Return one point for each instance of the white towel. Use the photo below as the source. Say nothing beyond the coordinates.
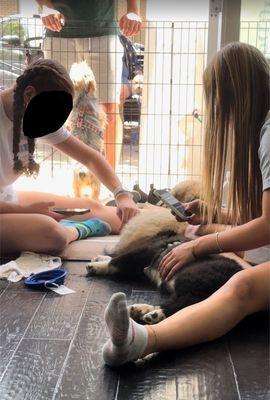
(28, 263)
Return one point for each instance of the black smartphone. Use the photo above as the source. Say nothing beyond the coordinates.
(172, 202)
(71, 211)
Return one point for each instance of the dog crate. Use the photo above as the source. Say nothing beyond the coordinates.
(162, 137)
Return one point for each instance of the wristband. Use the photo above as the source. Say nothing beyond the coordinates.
(196, 257)
(193, 253)
(117, 192)
(217, 243)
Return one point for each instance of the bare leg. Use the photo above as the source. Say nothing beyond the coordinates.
(33, 232)
(107, 214)
(114, 134)
(245, 293)
(124, 94)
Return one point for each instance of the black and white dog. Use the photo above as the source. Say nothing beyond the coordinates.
(143, 243)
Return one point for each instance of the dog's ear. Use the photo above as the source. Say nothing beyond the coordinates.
(91, 87)
(82, 175)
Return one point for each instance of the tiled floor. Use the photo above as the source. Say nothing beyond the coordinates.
(50, 348)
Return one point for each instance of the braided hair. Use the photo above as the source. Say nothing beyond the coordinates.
(43, 75)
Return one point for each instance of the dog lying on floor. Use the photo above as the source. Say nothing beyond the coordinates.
(87, 121)
(143, 243)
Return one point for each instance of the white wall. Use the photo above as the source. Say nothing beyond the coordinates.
(28, 7)
(255, 23)
(258, 10)
(177, 10)
(184, 10)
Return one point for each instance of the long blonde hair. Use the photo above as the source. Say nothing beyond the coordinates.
(237, 96)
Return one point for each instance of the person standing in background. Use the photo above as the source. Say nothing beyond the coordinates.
(88, 30)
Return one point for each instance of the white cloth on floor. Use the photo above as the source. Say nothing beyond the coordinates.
(28, 263)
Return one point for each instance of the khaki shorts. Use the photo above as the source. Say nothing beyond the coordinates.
(103, 54)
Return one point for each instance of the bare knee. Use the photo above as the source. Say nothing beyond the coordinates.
(56, 238)
(97, 208)
(240, 287)
(96, 205)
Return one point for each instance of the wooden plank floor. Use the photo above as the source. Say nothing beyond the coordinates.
(50, 348)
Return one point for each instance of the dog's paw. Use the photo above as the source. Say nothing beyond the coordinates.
(137, 311)
(101, 258)
(91, 269)
(153, 317)
(101, 266)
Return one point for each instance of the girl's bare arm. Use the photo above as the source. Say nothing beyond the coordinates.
(92, 159)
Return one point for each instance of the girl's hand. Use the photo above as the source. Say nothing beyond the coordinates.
(195, 208)
(54, 22)
(126, 208)
(130, 24)
(175, 259)
(43, 208)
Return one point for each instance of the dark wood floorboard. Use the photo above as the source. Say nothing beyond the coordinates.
(50, 348)
(34, 370)
(3, 286)
(17, 308)
(202, 372)
(85, 375)
(58, 316)
(249, 349)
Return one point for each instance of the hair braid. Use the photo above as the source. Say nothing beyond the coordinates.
(18, 111)
(43, 75)
(33, 167)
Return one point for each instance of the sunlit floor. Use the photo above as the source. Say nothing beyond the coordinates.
(57, 177)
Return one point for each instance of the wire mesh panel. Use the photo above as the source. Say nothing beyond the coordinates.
(161, 95)
(18, 37)
(170, 136)
(256, 33)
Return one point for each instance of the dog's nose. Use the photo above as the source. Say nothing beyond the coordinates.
(82, 175)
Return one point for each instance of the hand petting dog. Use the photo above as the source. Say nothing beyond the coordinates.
(126, 208)
(176, 259)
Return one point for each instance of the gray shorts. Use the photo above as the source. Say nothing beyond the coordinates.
(103, 54)
(8, 194)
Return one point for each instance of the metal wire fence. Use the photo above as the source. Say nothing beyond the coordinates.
(161, 138)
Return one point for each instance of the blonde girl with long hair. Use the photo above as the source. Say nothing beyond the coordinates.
(237, 138)
(26, 221)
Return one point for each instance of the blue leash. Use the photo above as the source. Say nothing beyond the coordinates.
(46, 279)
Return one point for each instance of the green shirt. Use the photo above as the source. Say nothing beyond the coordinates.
(86, 18)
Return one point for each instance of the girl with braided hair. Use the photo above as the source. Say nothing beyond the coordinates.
(26, 221)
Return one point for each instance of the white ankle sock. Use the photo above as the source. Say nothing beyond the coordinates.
(128, 339)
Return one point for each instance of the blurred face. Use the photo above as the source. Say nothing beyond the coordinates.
(45, 112)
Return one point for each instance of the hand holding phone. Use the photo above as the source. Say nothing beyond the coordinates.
(71, 211)
(177, 208)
